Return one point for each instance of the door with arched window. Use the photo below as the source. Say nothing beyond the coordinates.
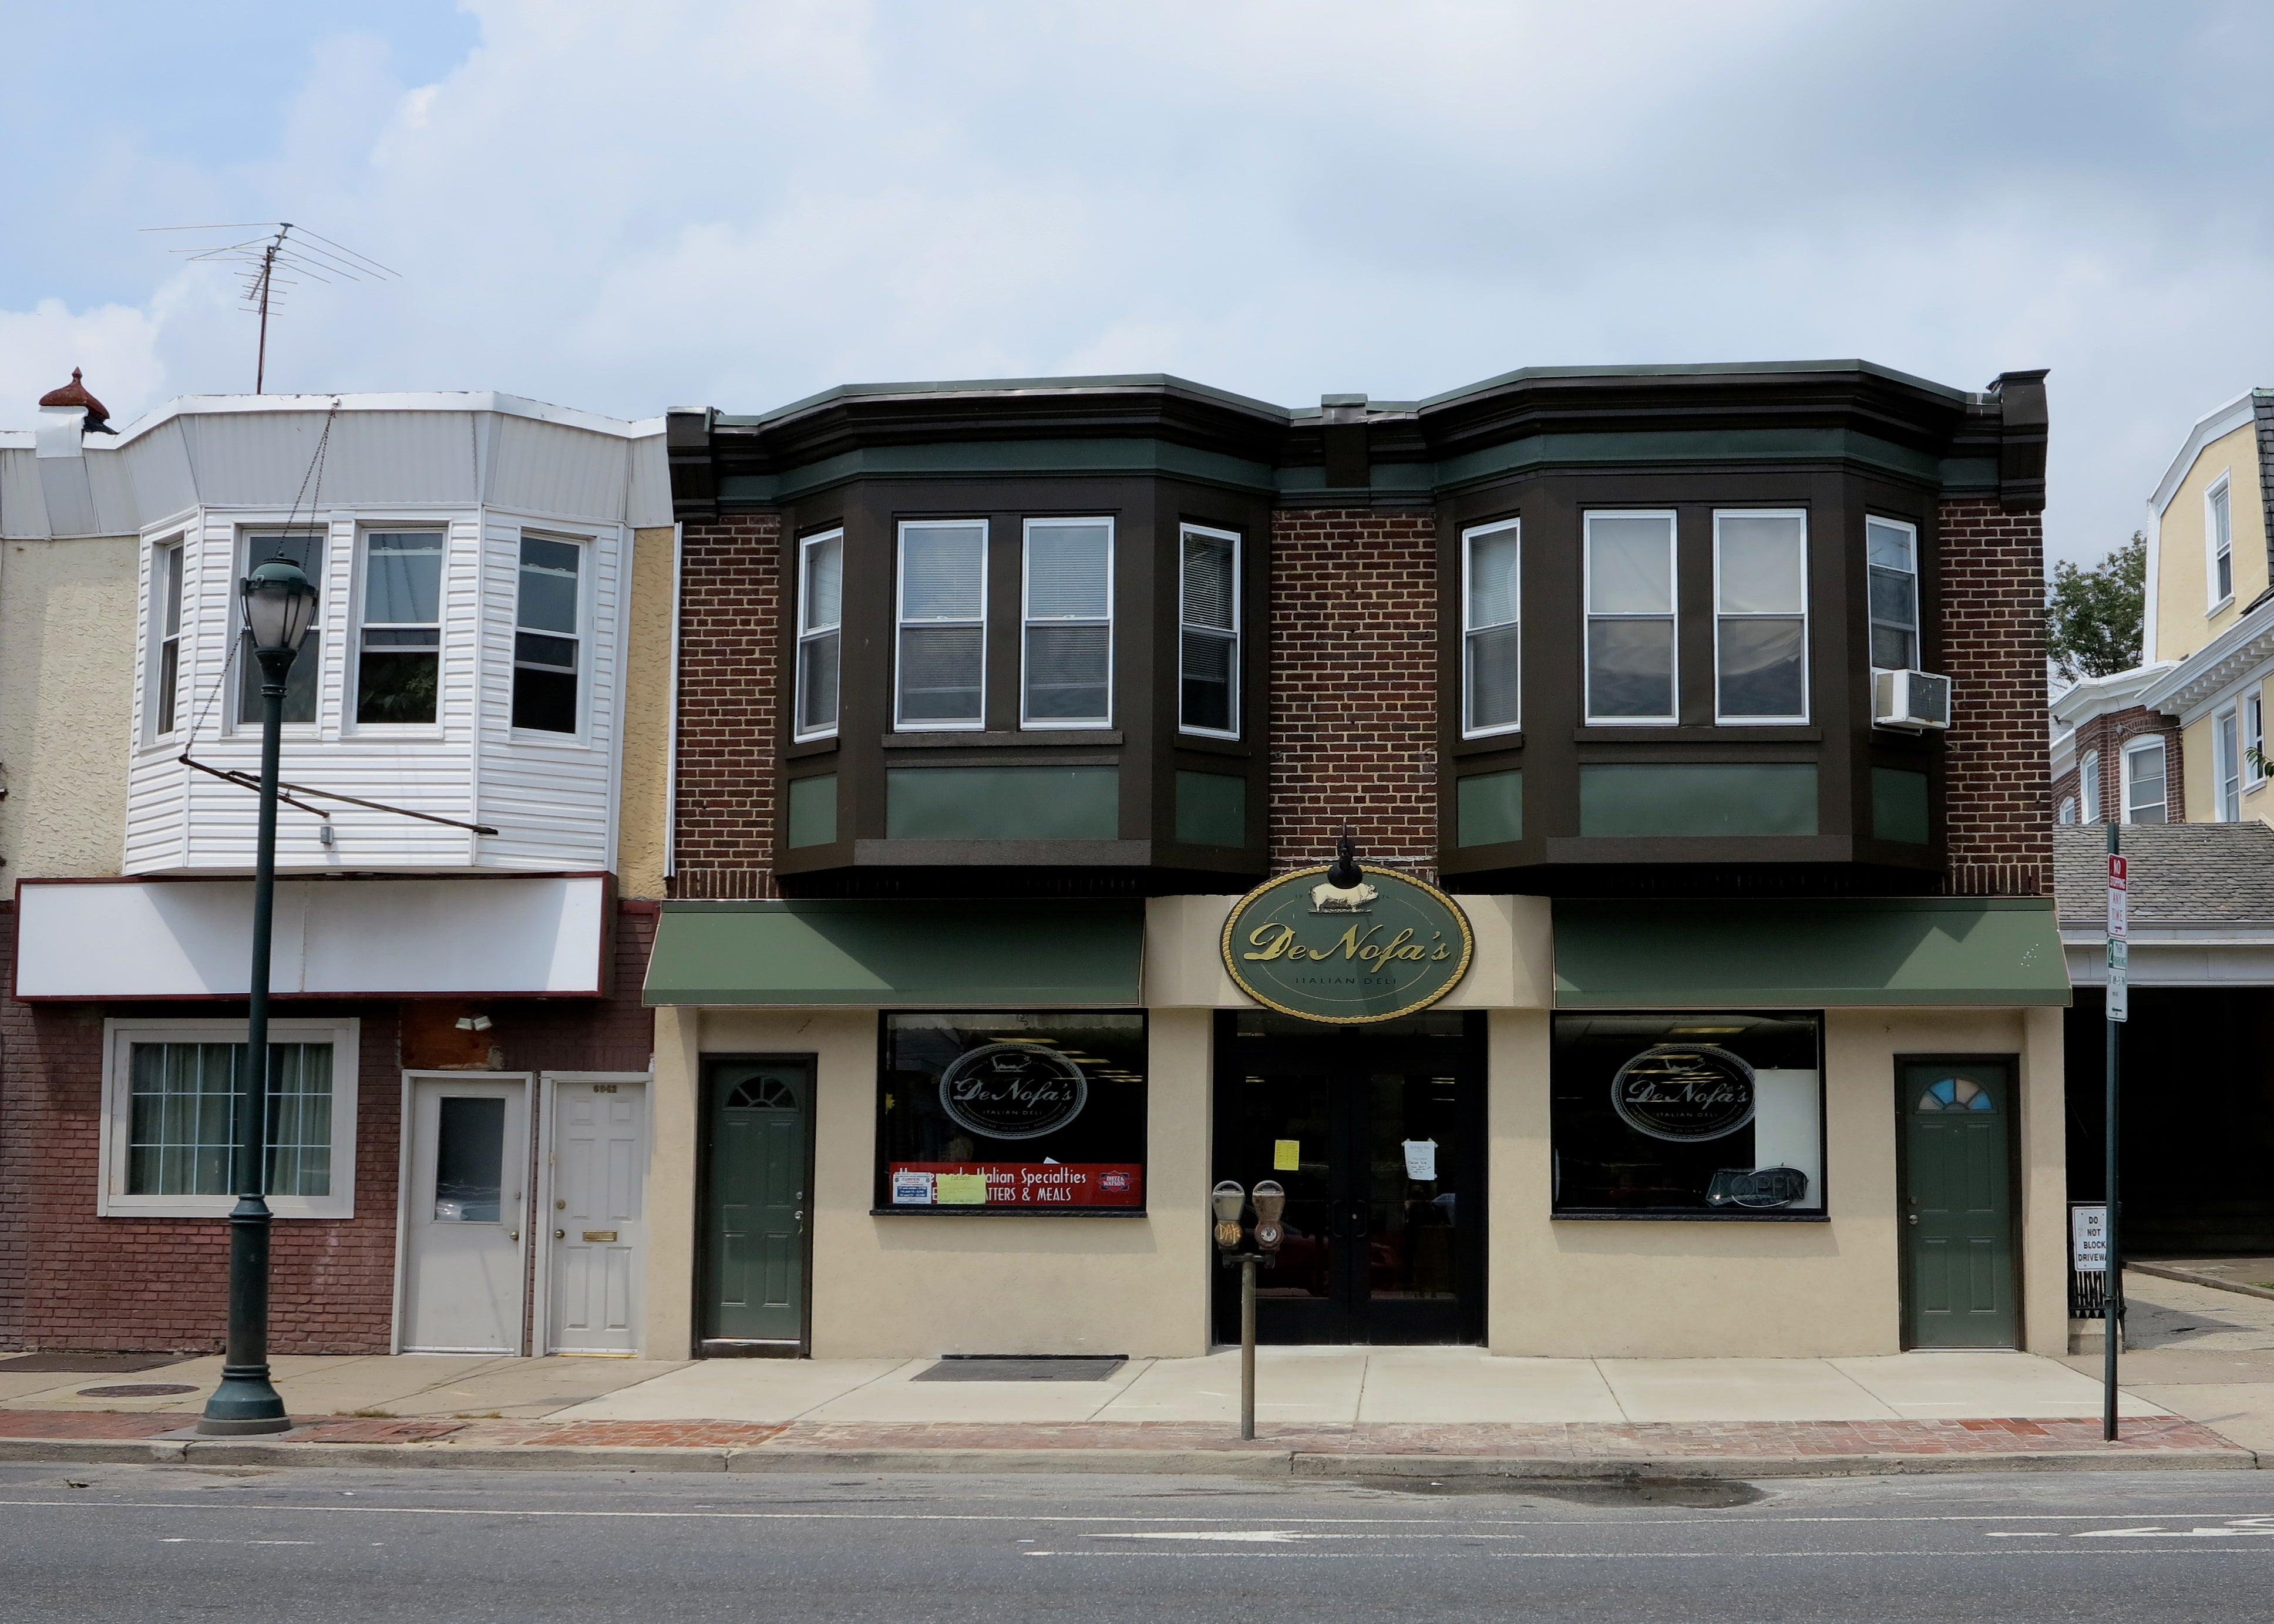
(1959, 1280)
(756, 1171)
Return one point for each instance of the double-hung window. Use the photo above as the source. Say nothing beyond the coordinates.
(1492, 644)
(1760, 616)
(399, 673)
(941, 668)
(1891, 552)
(1207, 632)
(166, 628)
(2226, 763)
(304, 548)
(2254, 740)
(548, 635)
(1631, 626)
(820, 631)
(1066, 656)
(2144, 793)
(2068, 810)
(2218, 533)
(172, 1090)
(2088, 787)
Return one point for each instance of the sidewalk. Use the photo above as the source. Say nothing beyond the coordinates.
(1320, 1411)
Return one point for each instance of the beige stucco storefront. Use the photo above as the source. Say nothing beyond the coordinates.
(929, 1283)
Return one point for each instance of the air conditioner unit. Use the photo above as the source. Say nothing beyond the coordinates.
(1917, 700)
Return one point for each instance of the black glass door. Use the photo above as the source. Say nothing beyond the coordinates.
(1378, 1136)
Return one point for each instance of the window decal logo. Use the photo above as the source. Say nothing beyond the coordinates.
(1686, 1092)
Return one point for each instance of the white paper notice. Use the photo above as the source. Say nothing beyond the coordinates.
(1420, 1158)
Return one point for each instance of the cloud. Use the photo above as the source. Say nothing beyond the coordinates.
(632, 206)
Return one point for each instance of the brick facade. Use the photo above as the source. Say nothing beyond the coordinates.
(1994, 650)
(71, 1280)
(731, 601)
(1353, 677)
(2106, 736)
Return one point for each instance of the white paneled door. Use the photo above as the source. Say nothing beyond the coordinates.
(465, 1215)
(599, 1213)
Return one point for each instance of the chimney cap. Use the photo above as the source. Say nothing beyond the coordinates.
(74, 393)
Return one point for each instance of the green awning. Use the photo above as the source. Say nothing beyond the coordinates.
(1912, 950)
(975, 954)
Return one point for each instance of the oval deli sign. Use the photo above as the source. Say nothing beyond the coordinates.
(1385, 947)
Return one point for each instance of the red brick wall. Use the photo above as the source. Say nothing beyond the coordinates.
(71, 1280)
(1994, 650)
(1354, 650)
(2108, 734)
(730, 609)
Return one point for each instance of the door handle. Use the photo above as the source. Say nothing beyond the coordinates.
(1914, 1217)
(514, 1236)
(560, 1235)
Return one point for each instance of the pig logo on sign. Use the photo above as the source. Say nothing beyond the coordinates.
(1342, 899)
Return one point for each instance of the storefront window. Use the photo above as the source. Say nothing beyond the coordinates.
(1037, 1113)
(1711, 1115)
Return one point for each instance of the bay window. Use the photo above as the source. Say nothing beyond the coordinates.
(1207, 628)
(548, 639)
(1066, 647)
(1630, 618)
(1891, 552)
(820, 631)
(1760, 616)
(398, 675)
(941, 664)
(1491, 629)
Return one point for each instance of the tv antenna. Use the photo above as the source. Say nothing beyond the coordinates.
(278, 259)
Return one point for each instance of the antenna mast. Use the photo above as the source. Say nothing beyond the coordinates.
(263, 259)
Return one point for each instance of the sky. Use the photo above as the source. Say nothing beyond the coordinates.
(632, 205)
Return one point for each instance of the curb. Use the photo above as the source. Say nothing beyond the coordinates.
(1255, 1463)
(2164, 1271)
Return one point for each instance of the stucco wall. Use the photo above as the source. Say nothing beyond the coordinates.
(2181, 563)
(644, 791)
(1676, 1290)
(67, 623)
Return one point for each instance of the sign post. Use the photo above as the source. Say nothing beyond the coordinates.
(2112, 1296)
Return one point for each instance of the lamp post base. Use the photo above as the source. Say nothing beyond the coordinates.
(244, 1403)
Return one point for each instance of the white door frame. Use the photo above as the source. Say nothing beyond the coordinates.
(541, 1319)
(407, 1135)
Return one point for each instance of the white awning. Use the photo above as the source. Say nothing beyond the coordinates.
(494, 938)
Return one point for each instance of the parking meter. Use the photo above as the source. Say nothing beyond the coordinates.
(1228, 1199)
(1270, 1202)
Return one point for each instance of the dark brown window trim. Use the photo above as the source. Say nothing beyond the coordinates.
(1698, 736)
(1032, 737)
(1491, 744)
(811, 746)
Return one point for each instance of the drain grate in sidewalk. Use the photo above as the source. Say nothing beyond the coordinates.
(1031, 1367)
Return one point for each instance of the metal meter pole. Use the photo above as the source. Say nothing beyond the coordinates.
(1247, 1347)
(2119, 1008)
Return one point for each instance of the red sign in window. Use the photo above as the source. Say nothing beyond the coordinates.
(1042, 1184)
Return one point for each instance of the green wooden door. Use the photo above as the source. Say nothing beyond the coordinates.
(755, 1229)
(1958, 1205)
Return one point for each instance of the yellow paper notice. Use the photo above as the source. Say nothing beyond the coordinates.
(1286, 1157)
(960, 1188)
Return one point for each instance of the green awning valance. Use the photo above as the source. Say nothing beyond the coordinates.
(1913, 951)
(966, 955)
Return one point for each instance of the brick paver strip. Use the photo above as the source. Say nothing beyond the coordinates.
(1547, 1440)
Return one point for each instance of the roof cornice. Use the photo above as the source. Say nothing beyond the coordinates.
(2093, 696)
(2223, 421)
(2199, 679)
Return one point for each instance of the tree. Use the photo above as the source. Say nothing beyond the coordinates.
(2092, 616)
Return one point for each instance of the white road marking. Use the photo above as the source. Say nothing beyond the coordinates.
(184, 1539)
(1623, 1556)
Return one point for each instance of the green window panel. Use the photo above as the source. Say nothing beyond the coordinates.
(1899, 805)
(1003, 803)
(1489, 808)
(813, 811)
(1697, 800)
(1211, 809)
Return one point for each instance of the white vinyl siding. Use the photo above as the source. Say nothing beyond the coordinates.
(820, 632)
(1890, 554)
(940, 653)
(1492, 631)
(1631, 639)
(170, 1105)
(2145, 788)
(2218, 540)
(1760, 616)
(1207, 632)
(1065, 651)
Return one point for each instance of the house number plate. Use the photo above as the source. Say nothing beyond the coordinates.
(599, 1235)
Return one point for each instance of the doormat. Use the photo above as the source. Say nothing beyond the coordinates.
(89, 1364)
(140, 1389)
(1013, 1367)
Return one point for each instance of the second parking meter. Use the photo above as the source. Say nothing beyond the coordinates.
(1271, 1203)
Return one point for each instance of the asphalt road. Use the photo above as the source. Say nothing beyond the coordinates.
(145, 1544)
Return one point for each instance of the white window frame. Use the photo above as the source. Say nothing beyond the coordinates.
(120, 1035)
(900, 623)
(249, 538)
(2226, 765)
(1028, 621)
(808, 631)
(1239, 635)
(2131, 754)
(2218, 547)
(1917, 630)
(581, 636)
(2254, 740)
(1469, 628)
(1588, 617)
(1807, 698)
(2088, 788)
(169, 565)
(351, 635)
(2068, 810)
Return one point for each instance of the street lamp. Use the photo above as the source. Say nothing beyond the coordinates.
(280, 605)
